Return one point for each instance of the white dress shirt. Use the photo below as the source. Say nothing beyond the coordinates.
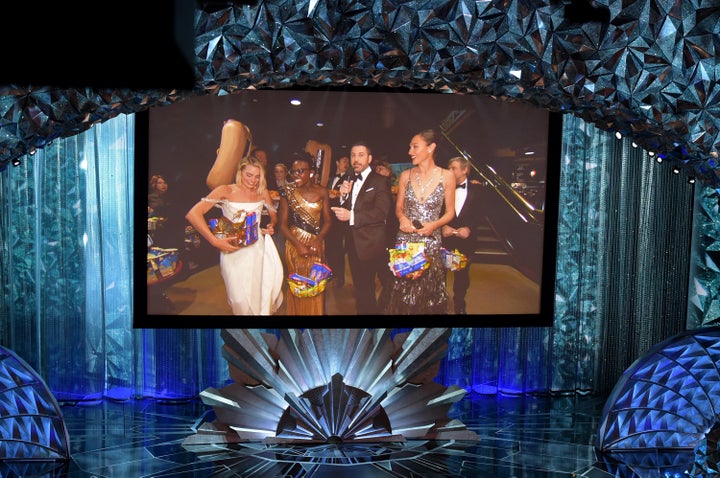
(335, 181)
(357, 185)
(460, 196)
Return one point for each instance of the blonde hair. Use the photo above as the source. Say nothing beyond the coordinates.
(282, 166)
(250, 161)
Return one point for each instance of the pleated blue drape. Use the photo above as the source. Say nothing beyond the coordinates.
(624, 236)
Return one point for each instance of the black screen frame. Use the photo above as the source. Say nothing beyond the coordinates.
(543, 318)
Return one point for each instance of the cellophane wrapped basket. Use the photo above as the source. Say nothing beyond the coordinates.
(408, 260)
(454, 260)
(161, 263)
(301, 286)
(244, 229)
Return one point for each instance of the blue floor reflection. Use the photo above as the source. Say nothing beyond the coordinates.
(528, 437)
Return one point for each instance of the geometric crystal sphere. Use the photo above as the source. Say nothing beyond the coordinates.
(668, 399)
(707, 454)
(332, 386)
(31, 424)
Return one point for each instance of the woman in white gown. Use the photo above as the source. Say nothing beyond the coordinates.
(250, 264)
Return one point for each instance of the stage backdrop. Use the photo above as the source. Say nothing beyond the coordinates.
(624, 268)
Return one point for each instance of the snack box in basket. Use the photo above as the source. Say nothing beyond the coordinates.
(302, 286)
(318, 273)
(245, 230)
(404, 267)
(454, 260)
(407, 258)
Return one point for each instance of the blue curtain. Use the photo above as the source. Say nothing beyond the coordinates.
(624, 235)
(622, 278)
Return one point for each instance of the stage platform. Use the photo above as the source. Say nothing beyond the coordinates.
(529, 437)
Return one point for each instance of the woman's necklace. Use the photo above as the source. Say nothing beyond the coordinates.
(422, 187)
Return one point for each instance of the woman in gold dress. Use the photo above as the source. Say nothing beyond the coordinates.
(304, 222)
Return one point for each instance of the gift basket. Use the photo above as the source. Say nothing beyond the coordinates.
(244, 228)
(302, 286)
(161, 263)
(454, 260)
(408, 260)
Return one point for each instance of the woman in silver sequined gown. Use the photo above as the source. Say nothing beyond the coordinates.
(426, 194)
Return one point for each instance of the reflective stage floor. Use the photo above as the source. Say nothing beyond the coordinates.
(522, 437)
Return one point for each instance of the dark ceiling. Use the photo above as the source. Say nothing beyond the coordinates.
(644, 68)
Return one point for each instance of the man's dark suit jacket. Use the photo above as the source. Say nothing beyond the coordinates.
(335, 239)
(372, 206)
(470, 216)
(336, 201)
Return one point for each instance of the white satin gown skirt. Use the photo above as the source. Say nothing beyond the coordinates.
(253, 278)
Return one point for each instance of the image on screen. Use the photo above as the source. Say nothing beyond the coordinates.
(513, 153)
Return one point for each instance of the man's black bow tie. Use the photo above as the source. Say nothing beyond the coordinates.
(358, 177)
(461, 186)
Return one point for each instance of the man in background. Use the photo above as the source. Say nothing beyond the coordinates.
(279, 179)
(336, 239)
(460, 233)
(275, 184)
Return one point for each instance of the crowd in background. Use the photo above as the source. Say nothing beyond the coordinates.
(363, 211)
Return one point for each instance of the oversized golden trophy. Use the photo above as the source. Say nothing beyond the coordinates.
(235, 144)
(323, 160)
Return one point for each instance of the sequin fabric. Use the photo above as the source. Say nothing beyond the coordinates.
(426, 294)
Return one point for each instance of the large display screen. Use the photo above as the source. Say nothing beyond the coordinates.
(514, 154)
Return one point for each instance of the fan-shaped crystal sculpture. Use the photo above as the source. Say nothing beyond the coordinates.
(332, 386)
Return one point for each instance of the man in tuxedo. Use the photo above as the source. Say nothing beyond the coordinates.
(336, 238)
(365, 203)
(460, 233)
(279, 177)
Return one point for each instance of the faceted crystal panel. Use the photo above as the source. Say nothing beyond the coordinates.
(644, 68)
